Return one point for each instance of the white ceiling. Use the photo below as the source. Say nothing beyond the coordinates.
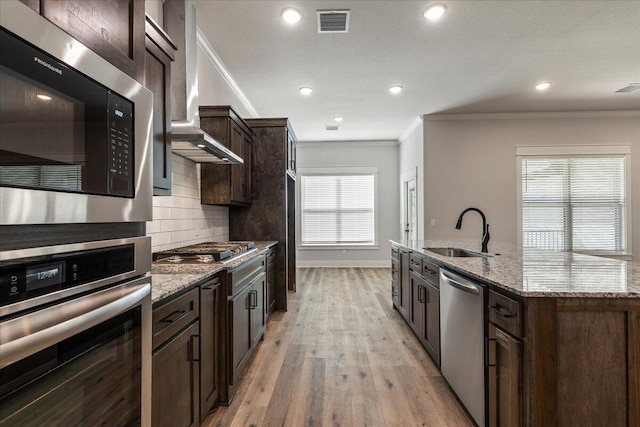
(483, 56)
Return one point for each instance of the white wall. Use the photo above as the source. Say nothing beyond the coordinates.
(471, 161)
(383, 155)
(412, 159)
(180, 219)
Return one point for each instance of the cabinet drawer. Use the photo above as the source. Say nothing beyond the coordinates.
(415, 263)
(172, 317)
(395, 292)
(395, 252)
(431, 272)
(271, 255)
(505, 312)
(245, 273)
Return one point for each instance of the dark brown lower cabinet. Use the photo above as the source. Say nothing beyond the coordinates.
(416, 313)
(176, 369)
(505, 379)
(249, 321)
(431, 337)
(270, 304)
(211, 305)
(404, 298)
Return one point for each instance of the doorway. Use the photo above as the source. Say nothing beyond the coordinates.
(410, 206)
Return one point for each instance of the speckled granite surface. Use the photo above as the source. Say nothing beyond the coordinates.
(168, 279)
(540, 273)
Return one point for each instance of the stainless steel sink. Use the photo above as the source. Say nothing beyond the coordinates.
(456, 252)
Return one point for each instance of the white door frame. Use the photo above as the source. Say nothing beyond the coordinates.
(405, 178)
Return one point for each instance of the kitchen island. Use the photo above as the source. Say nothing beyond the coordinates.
(562, 330)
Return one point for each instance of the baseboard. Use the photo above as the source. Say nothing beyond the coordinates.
(345, 263)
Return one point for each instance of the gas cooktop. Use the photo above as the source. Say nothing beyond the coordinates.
(203, 253)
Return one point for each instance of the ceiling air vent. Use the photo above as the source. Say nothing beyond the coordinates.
(630, 88)
(332, 127)
(333, 21)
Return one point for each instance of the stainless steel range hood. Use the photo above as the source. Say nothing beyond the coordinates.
(187, 138)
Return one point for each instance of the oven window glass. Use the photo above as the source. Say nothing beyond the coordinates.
(90, 379)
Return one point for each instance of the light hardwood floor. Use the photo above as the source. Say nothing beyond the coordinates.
(341, 356)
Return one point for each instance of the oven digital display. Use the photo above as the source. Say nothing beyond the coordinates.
(43, 276)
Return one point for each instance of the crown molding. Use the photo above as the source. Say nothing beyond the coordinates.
(216, 61)
(374, 143)
(408, 131)
(534, 115)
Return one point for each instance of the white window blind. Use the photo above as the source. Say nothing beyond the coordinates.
(574, 203)
(337, 209)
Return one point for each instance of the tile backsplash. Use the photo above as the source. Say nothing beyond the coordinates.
(180, 219)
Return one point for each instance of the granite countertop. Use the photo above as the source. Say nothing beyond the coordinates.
(168, 279)
(539, 273)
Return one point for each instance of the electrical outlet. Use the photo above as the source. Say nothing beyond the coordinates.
(433, 222)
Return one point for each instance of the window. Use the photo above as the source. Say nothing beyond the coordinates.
(338, 209)
(572, 202)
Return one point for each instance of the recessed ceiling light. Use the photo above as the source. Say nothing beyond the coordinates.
(543, 86)
(201, 145)
(291, 15)
(395, 89)
(435, 12)
(306, 90)
(44, 97)
(338, 118)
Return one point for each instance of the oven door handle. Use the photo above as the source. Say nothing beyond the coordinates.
(26, 335)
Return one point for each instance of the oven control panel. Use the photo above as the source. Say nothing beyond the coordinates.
(120, 151)
(42, 275)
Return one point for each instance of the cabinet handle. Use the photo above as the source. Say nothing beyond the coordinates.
(194, 351)
(421, 295)
(430, 271)
(253, 300)
(175, 316)
(487, 352)
(499, 313)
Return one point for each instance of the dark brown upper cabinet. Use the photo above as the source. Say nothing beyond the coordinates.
(112, 29)
(160, 52)
(228, 185)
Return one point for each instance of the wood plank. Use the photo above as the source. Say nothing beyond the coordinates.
(341, 356)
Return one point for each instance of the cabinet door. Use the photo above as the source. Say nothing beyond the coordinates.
(258, 315)
(271, 287)
(240, 338)
(210, 304)
(112, 29)
(157, 78)
(247, 168)
(237, 171)
(405, 284)
(432, 321)
(505, 390)
(175, 381)
(291, 153)
(416, 313)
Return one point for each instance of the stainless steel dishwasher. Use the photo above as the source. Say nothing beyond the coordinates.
(462, 335)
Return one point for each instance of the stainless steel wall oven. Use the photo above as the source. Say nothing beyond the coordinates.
(74, 130)
(75, 334)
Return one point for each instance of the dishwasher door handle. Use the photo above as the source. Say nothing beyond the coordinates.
(472, 289)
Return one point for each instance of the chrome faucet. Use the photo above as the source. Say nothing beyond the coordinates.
(485, 227)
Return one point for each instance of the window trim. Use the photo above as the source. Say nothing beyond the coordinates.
(565, 151)
(339, 170)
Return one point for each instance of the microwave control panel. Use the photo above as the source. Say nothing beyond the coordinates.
(120, 151)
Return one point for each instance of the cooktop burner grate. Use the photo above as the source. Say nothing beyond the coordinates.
(207, 252)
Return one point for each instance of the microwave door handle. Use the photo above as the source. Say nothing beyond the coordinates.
(17, 342)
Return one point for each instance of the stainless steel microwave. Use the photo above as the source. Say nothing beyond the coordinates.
(75, 131)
